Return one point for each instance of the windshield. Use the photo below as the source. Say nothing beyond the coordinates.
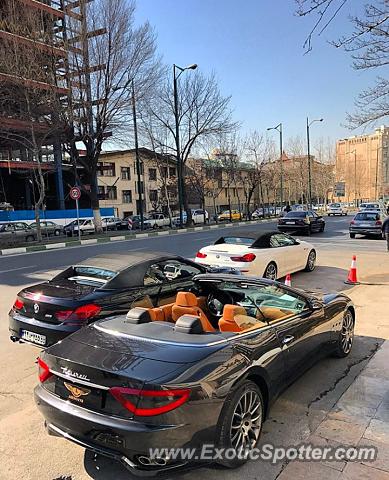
(238, 240)
(296, 214)
(335, 205)
(365, 216)
(95, 272)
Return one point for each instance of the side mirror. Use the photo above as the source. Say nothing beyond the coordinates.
(316, 305)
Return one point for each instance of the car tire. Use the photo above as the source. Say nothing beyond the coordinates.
(57, 233)
(346, 335)
(270, 271)
(155, 226)
(246, 401)
(352, 235)
(311, 261)
(30, 238)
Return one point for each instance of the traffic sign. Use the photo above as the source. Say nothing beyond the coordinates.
(75, 193)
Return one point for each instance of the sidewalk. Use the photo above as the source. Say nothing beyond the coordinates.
(360, 417)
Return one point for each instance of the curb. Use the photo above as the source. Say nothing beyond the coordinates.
(121, 238)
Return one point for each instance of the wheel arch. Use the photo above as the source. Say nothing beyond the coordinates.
(257, 376)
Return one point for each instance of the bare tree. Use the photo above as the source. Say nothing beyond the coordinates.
(369, 47)
(109, 54)
(29, 94)
(203, 112)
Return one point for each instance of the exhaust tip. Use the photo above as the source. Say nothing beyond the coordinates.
(151, 462)
(14, 339)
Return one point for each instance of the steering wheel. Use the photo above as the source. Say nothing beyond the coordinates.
(216, 302)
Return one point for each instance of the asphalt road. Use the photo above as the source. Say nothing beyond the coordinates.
(27, 452)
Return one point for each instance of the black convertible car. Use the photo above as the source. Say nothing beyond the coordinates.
(202, 370)
(96, 288)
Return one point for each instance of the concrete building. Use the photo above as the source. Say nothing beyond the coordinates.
(118, 182)
(362, 163)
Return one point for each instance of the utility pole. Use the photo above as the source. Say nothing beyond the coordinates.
(310, 161)
(137, 159)
(279, 130)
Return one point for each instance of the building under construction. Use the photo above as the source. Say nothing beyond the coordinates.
(38, 38)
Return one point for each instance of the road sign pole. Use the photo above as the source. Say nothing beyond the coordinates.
(78, 220)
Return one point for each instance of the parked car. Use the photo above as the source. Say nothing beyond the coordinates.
(305, 221)
(368, 222)
(156, 220)
(86, 227)
(111, 223)
(369, 206)
(133, 222)
(224, 351)
(12, 233)
(225, 216)
(336, 209)
(48, 228)
(97, 287)
(268, 254)
(198, 217)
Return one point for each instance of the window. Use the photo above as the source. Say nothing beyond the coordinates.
(153, 195)
(152, 174)
(106, 169)
(175, 270)
(172, 171)
(112, 193)
(127, 196)
(154, 275)
(164, 172)
(21, 226)
(281, 240)
(101, 192)
(126, 173)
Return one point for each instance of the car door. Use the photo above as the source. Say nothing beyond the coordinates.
(22, 231)
(288, 253)
(7, 235)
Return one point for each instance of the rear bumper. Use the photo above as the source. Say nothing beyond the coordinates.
(53, 332)
(124, 440)
(292, 228)
(366, 231)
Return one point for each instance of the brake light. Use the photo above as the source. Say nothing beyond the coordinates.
(248, 257)
(78, 316)
(18, 305)
(201, 255)
(44, 371)
(352, 222)
(378, 222)
(147, 403)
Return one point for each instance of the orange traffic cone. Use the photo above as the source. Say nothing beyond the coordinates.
(288, 280)
(352, 274)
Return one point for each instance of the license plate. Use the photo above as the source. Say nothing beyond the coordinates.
(365, 225)
(290, 223)
(33, 337)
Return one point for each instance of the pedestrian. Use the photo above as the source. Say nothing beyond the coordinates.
(287, 208)
(385, 231)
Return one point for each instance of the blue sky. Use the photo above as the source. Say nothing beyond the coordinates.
(255, 49)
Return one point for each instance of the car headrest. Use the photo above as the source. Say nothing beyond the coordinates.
(138, 315)
(188, 324)
(231, 311)
(186, 299)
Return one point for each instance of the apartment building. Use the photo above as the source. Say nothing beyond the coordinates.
(119, 187)
(362, 164)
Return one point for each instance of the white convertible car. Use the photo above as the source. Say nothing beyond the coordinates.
(269, 254)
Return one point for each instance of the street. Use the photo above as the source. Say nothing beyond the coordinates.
(29, 453)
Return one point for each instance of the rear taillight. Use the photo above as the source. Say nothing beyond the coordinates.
(44, 371)
(18, 305)
(352, 222)
(78, 316)
(147, 403)
(248, 257)
(378, 222)
(201, 255)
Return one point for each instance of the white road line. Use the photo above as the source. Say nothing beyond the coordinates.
(14, 269)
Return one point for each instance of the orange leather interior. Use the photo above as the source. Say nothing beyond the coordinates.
(163, 313)
(227, 322)
(187, 304)
(273, 313)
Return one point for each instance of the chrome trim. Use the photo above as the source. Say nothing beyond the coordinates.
(77, 380)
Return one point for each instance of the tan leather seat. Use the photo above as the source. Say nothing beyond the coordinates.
(227, 323)
(273, 313)
(163, 313)
(187, 304)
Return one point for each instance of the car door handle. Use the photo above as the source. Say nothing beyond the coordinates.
(287, 339)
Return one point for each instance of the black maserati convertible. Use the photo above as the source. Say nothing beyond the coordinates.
(96, 288)
(201, 370)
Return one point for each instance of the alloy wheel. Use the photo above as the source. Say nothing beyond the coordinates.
(311, 260)
(347, 333)
(271, 272)
(246, 421)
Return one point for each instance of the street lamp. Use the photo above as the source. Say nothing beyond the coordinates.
(193, 66)
(309, 161)
(279, 130)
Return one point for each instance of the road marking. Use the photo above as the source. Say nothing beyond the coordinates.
(14, 269)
